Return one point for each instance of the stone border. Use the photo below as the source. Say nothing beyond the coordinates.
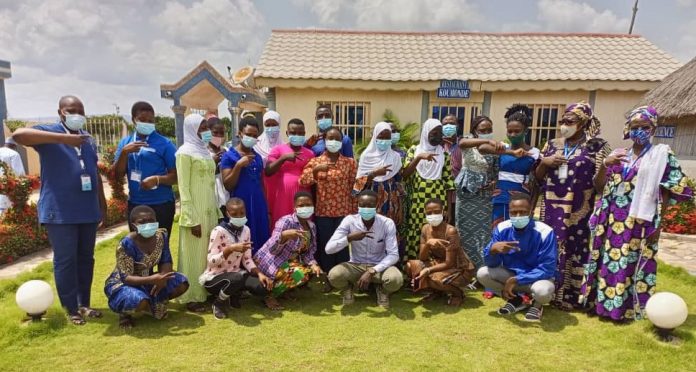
(678, 237)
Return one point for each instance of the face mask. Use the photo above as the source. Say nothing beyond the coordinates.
(395, 138)
(304, 212)
(487, 136)
(147, 230)
(333, 145)
(74, 121)
(383, 145)
(520, 222)
(449, 130)
(568, 131)
(238, 221)
(518, 139)
(367, 213)
(217, 141)
(272, 132)
(640, 136)
(296, 140)
(324, 124)
(434, 219)
(207, 136)
(144, 128)
(249, 142)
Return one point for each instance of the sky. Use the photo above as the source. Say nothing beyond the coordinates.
(113, 53)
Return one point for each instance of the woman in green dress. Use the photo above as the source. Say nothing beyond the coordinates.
(199, 211)
(428, 175)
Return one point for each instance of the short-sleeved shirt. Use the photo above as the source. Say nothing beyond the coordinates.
(159, 160)
(62, 200)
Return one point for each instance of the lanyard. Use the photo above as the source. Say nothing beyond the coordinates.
(78, 149)
(567, 152)
(627, 167)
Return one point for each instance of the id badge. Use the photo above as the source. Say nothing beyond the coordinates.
(136, 176)
(86, 182)
(563, 171)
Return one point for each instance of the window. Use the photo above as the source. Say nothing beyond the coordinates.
(465, 113)
(545, 118)
(350, 117)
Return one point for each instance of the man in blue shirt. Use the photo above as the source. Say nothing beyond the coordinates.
(324, 118)
(71, 204)
(148, 160)
(373, 252)
(521, 258)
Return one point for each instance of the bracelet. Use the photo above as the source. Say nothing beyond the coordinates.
(604, 162)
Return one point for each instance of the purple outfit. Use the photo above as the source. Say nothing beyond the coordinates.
(273, 254)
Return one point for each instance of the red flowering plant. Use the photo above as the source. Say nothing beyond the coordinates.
(20, 232)
(681, 217)
(117, 206)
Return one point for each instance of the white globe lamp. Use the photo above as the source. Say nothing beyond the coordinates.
(666, 311)
(34, 297)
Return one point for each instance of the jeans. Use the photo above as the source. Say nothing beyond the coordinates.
(164, 213)
(326, 226)
(73, 262)
(495, 277)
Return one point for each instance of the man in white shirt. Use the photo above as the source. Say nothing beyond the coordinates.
(374, 251)
(10, 156)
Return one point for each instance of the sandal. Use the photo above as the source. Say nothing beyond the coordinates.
(89, 312)
(76, 319)
(125, 321)
(273, 304)
(197, 307)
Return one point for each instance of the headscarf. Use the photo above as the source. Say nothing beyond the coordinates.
(583, 111)
(646, 113)
(372, 158)
(430, 170)
(193, 145)
(264, 145)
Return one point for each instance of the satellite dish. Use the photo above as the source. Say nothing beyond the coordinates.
(244, 76)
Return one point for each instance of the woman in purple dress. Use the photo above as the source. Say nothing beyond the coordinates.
(640, 182)
(566, 175)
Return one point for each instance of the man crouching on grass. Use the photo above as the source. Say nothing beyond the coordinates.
(521, 258)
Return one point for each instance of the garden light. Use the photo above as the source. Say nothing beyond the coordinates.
(666, 311)
(34, 297)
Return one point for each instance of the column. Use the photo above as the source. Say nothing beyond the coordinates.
(179, 111)
(3, 111)
(235, 112)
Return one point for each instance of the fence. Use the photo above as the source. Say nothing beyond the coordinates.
(106, 131)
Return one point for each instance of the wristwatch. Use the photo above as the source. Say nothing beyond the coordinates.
(372, 271)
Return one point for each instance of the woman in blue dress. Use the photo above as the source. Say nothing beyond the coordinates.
(242, 175)
(516, 163)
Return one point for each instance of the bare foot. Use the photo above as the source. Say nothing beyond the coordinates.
(125, 321)
(455, 301)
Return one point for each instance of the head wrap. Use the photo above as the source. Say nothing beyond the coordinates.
(430, 170)
(583, 111)
(193, 145)
(265, 144)
(372, 158)
(644, 113)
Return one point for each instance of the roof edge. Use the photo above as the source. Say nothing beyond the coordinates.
(472, 33)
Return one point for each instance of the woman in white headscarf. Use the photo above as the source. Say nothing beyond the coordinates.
(269, 139)
(428, 174)
(199, 211)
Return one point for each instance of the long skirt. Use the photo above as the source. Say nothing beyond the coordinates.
(474, 223)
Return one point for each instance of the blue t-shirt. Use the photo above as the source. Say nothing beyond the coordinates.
(346, 148)
(62, 200)
(159, 160)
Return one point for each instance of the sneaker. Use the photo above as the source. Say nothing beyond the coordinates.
(382, 297)
(534, 314)
(514, 305)
(219, 310)
(234, 302)
(348, 298)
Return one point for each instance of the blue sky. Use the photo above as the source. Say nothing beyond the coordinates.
(117, 52)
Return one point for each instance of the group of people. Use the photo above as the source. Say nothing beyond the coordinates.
(261, 216)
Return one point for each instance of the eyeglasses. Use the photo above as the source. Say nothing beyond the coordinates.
(568, 122)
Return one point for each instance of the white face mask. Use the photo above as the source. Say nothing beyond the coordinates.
(568, 131)
(434, 219)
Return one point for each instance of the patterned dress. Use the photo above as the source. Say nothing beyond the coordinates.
(620, 275)
(334, 187)
(420, 190)
(131, 261)
(566, 205)
(474, 207)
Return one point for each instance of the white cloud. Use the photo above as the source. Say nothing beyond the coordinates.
(574, 16)
(686, 46)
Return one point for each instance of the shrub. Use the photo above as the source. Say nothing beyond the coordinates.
(13, 125)
(117, 206)
(680, 219)
(166, 126)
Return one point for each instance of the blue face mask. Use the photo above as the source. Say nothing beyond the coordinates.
(640, 136)
(520, 222)
(487, 136)
(333, 145)
(75, 121)
(207, 136)
(324, 124)
(296, 140)
(147, 230)
(395, 138)
(383, 145)
(272, 132)
(449, 130)
(367, 213)
(238, 221)
(144, 128)
(304, 212)
(248, 141)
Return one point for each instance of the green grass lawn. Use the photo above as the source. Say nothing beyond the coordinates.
(316, 333)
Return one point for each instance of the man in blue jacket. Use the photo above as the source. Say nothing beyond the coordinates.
(521, 258)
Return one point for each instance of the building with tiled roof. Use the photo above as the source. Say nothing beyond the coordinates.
(431, 74)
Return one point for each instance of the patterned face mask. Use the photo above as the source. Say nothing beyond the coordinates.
(640, 136)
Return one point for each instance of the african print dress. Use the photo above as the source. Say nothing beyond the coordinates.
(419, 190)
(621, 272)
(566, 206)
(131, 261)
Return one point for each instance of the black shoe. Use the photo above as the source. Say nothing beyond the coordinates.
(219, 311)
(234, 302)
(534, 314)
(514, 305)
